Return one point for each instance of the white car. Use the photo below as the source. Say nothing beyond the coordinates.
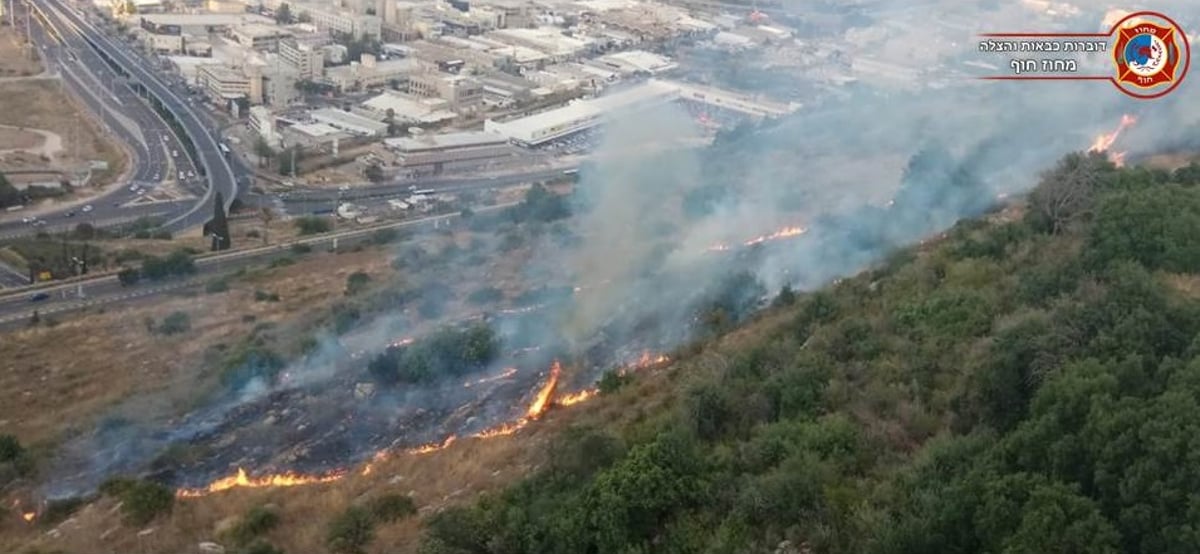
(191, 174)
(344, 188)
(87, 208)
(132, 188)
(180, 175)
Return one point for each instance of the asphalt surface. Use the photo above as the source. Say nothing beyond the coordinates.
(121, 113)
(17, 308)
(85, 39)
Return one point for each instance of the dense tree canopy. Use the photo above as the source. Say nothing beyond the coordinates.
(1030, 383)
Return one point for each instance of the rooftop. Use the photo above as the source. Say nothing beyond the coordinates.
(444, 140)
(206, 19)
(315, 129)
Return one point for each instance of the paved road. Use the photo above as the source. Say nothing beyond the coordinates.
(211, 163)
(16, 308)
(121, 113)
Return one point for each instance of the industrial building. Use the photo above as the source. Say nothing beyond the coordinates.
(351, 123)
(224, 84)
(433, 153)
(580, 115)
(369, 72)
(258, 36)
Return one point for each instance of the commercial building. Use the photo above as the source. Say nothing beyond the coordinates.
(224, 84)
(311, 135)
(636, 61)
(262, 121)
(198, 24)
(406, 109)
(307, 60)
(349, 122)
(462, 93)
(370, 72)
(258, 36)
(439, 150)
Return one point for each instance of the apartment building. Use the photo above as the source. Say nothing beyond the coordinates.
(309, 61)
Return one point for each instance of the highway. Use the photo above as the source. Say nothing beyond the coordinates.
(16, 307)
(220, 174)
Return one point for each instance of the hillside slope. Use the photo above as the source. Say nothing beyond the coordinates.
(1028, 383)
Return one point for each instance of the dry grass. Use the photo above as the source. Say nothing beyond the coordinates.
(46, 389)
(15, 138)
(42, 104)
(16, 60)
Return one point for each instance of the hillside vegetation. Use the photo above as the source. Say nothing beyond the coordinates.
(1028, 383)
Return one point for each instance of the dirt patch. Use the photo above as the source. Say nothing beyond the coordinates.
(43, 105)
(16, 60)
(14, 139)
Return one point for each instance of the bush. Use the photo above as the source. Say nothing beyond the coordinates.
(385, 236)
(391, 507)
(301, 248)
(281, 262)
(129, 276)
(254, 524)
(264, 296)
(261, 547)
(312, 225)
(141, 501)
(613, 380)
(175, 323)
(10, 448)
(351, 531)
(216, 285)
(178, 262)
(446, 352)
(357, 282)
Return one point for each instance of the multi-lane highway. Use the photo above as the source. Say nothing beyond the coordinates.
(82, 37)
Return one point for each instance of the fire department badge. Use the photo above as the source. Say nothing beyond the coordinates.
(1151, 54)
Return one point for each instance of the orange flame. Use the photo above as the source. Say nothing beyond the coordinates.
(786, 232)
(1104, 141)
(433, 446)
(502, 430)
(648, 360)
(28, 516)
(542, 401)
(576, 398)
(242, 480)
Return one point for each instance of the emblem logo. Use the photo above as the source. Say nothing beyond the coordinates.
(1151, 54)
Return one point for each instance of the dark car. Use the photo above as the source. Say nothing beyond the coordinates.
(38, 297)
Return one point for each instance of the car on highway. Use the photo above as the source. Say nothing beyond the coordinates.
(39, 297)
(71, 213)
(87, 208)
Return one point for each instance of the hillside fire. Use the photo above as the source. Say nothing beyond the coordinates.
(786, 232)
(242, 480)
(1104, 142)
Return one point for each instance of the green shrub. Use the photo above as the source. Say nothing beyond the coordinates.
(351, 531)
(258, 521)
(357, 282)
(217, 285)
(301, 248)
(260, 547)
(281, 262)
(175, 323)
(385, 236)
(264, 296)
(129, 276)
(10, 448)
(391, 507)
(312, 225)
(141, 501)
(613, 380)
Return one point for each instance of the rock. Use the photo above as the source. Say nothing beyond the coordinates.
(363, 391)
(105, 535)
(395, 480)
(271, 420)
(211, 548)
(54, 533)
(146, 532)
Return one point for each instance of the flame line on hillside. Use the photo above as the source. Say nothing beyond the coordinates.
(1103, 142)
(538, 407)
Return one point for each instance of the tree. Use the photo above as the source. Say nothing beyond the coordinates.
(9, 195)
(351, 531)
(263, 150)
(312, 225)
(283, 15)
(374, 173)
(1067, 192)
(304, 17)
(289, 160)
(357, 282)
(217, 228)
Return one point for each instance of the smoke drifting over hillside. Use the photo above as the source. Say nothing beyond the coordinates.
(661, 230)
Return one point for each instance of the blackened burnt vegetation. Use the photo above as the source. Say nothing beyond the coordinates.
(1028, 383)
(448, 352)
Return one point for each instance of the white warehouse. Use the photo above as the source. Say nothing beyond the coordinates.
(580, 115)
